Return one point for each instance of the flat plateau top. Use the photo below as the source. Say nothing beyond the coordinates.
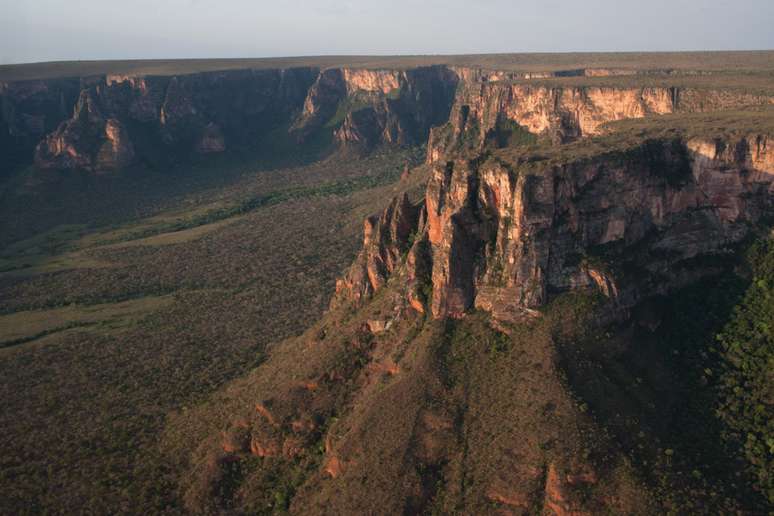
(748, 61)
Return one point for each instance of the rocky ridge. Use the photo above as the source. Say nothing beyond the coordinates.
(489, 113)
(435, 383)
(118, 118)
(470, 108)
(506, 237)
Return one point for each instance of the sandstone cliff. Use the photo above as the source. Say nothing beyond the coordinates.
(370, 107)
(29, 110)
(210, 112)
(386, 240)
(485, 113)
(505, 235)
(88, 141)
(439, 380)
(469, 109)
(118, 118)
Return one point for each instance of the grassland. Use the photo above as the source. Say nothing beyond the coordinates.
(110, 323)
(22, 327)
(126, 301)
(536, 62)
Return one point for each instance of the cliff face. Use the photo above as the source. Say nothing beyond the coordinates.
(469, 109)
(370, 107)
(386, 240)
(87, 141)
(487, 112)
(28, 111)
(103, 123)
(506, 236)
(117, 118)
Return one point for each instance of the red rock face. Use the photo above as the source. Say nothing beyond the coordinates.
(386, 239)
(373, 107)
(505, 239)
(176, 116)
(30, 110)
(87, 141)
(562, 114)
(501, 237)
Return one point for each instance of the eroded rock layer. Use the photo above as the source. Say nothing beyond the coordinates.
(118, 119)
(491, 112)
(505, 236)
(108, 122)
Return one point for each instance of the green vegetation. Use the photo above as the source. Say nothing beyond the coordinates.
(148, 317)
(508, 133)
(684, 386)
(115, 322)
(357, 101)
(351, 103)
(621, 140)
(21, 327)
(747, 350)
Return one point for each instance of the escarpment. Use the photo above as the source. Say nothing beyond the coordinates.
(506, 234)
(499, 113)
(468, 109)
(108, 122)
(442, 379)
(88, 141)
(29, 110)
(386, 240)
(118, 120)
(379, 106)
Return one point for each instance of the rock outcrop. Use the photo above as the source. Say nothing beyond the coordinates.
(118, 119)
(386, 240)
(486, 112)
(88, 141)
(29, 110)
(162, 117)
(370, 107)
(506, 236)
(172, 117)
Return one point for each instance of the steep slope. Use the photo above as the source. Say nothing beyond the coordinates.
(506, 233)
(119, 120)
(498, 343)
(491, 113)
(442, 379)
(29, 110)
(419, 417)
(379, 106)
(162, 116)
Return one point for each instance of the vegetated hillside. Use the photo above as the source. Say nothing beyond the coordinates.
(536, 335)
(106, 326)
(529, 326)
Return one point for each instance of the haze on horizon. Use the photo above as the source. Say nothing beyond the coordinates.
(51, 30)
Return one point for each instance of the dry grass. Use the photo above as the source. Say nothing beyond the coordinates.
(23, 327)
(261, 277)
(717, 61)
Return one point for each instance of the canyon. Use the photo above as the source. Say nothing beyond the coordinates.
(504, 331)
(110, 122)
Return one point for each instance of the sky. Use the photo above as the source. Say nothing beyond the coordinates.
(50, 30)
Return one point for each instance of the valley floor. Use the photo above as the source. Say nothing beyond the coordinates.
(106, 327)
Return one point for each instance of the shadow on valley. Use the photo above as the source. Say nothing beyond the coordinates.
(160, 288)
(657, 384)
(35, 200)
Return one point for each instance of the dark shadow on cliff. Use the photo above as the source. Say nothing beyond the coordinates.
(34, 200)
(652, 382)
